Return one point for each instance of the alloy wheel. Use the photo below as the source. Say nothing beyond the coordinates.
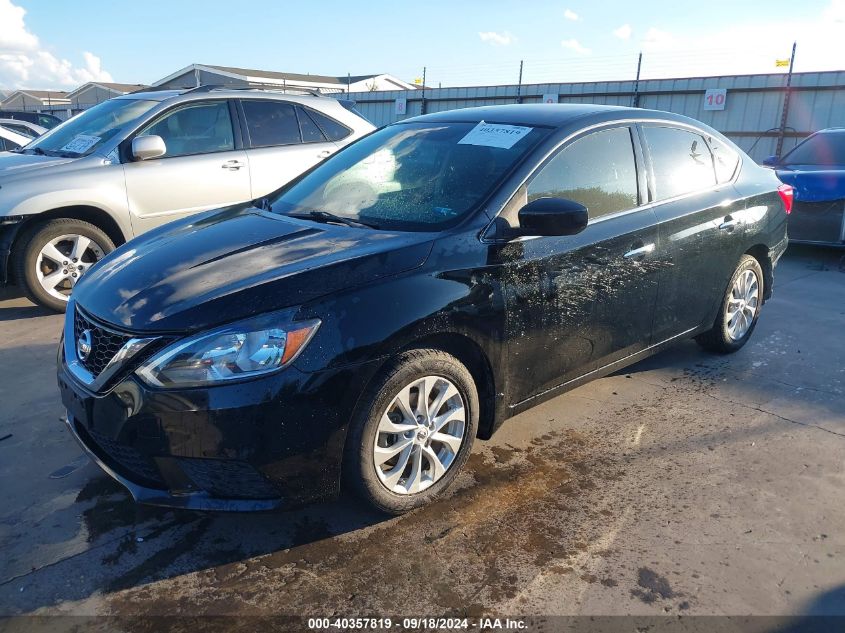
(742, 304)
(62, 261)
(419, 435)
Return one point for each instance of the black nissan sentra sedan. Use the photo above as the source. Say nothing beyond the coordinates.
(361, 326)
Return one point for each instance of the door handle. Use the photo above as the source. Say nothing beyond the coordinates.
(639, 252)
(233, 165)
(728, 224)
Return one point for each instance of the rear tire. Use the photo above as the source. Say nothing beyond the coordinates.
(739, 310)
(33, 264)
(425, 455)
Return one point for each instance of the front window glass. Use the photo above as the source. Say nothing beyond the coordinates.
(414, 176)
(200, 128)
(89, 130)
(598, 171)
(821, 149)
(681, 161)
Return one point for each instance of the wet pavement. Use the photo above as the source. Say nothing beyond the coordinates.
(686, 484)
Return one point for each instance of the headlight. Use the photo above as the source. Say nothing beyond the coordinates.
(241, 350)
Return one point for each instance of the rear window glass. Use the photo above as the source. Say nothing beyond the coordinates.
(725, 160)
(681, 161)
(310, 132)
(271, 123)
(333, 130)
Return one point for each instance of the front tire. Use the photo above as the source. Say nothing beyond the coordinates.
(50, 257)
(413, 431)
(739, 310)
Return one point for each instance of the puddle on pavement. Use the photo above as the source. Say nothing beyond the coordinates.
(72, 467)
(513, 511)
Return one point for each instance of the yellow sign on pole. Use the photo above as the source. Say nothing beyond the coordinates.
(418, 81)
(781, 63)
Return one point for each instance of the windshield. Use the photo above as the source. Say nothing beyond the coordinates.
(821, 149)
(85, 132)
(413, 176)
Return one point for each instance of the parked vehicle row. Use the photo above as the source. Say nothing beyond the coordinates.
(362, 324)
(42, 119)
(816, 170)
(140, 160)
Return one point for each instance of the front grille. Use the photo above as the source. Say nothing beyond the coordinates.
(228, 479)
(105, 343)
(125, 460)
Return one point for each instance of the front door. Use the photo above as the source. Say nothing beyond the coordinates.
(201, 170)
(578, 302)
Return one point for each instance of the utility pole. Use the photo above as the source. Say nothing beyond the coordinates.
(786, 94)
(636, 101)
(519, 85)
(422, 106)
(348, 81)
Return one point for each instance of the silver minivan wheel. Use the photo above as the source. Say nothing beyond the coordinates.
(419, 435)
(63, 260)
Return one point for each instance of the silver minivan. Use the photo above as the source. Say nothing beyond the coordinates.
(137, 161)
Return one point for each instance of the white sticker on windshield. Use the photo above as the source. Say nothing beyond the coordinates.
(81, 143)
(494, 135)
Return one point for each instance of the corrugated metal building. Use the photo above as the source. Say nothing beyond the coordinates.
(751, 116)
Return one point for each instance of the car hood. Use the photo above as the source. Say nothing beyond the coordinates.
(814, 183)
(227, 265)
(13, 164)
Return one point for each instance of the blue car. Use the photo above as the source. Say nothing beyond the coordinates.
(816, 170)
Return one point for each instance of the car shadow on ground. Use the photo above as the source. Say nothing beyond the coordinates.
(27, 311)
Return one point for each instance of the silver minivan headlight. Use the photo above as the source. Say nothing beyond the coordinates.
(241, 350)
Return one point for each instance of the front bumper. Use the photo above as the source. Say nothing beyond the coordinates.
(269, 443)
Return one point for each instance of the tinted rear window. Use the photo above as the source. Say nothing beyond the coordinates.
(333, 130)
(271, 123)
(310, 132)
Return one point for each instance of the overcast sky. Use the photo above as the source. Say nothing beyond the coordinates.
(462, 42)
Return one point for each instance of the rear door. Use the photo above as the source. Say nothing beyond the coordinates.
(204, 167)
(577, 302)
(283, 140)
(701, 224)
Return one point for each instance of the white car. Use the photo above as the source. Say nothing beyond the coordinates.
(139, 160)
(32, 130)
(11, 140)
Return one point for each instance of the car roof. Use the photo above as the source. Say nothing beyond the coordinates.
(549, 115)
(189, 94)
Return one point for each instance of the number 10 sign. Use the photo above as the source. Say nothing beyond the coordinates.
(714, 98)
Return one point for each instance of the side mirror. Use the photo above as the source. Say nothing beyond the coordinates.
(552, 216)
(770, 161)
(146, 147)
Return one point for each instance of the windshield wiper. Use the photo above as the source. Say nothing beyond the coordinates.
(327, 217)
